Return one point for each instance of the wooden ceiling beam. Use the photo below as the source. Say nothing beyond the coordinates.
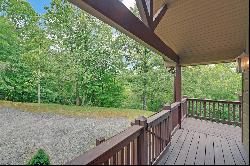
(116, 14)
(145, 14)
(158, 16)
(151, 9)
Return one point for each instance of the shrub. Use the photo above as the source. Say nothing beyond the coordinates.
(40, 158)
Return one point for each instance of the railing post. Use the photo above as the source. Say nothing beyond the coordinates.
(99, 141)
(142, 142)
(185, 106)
(177, 84)
(168, 107)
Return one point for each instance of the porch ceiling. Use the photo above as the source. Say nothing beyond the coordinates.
(204, 32)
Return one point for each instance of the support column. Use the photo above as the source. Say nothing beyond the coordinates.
(177, 84)
(177, 91)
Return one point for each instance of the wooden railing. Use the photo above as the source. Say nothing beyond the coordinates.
(228, 112)
(142, 143)
(149, 138)
(122, 149)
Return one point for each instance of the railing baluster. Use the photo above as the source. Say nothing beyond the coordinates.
(153, 143)
(122, 156)
(192, 108)
(209, 110)
(200, 114)
(149, 145)
(136, 150)
(205, 110)
(234, 117)
(157, 134)
(133, 153)
(127, 156)
(114, 160)
(219, 112)
(196, 109)
(214, 111)
(240, 113)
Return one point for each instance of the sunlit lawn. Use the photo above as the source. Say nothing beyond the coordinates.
(77, 111)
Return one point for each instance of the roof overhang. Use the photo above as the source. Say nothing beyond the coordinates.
(187, 32)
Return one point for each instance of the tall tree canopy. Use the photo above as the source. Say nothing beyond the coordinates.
(67, 56)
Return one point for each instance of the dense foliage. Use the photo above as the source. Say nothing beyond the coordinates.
(40, 158)
(67, 56)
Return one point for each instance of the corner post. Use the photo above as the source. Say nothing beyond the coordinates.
(185, 105)
(99, 141)
(177, 84)
(142, 142)
(177, 91)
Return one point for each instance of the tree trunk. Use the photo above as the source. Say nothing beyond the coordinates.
(78, 99)
(39, 79)
(39, 89)
(144, 98)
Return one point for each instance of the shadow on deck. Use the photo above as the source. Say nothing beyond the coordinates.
(202, 142)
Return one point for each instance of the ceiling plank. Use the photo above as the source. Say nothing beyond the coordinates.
(158, 16)
(116, 14)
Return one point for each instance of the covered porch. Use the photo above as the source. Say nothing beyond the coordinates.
(189, 131)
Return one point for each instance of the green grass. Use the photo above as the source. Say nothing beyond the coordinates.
(77, 111)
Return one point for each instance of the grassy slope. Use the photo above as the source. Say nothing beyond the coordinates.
(79, 111)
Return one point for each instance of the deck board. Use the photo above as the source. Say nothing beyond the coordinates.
(244, 154)
(202, 142)
(174, 141)
(209, 158)
(184, 152)
(200, 156)
(218, 152)
(174, 153)
(236, 153)
(227, 152)
(193, 149)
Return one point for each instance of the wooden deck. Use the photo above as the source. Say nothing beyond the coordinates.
(204, 142)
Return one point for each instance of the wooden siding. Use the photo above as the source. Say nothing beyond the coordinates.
(246, 110)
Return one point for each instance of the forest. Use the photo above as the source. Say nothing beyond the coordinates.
(67, 56)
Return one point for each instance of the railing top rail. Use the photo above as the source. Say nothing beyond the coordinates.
(218, 101)
(175, 105)
(157, 118)
(183, 99)
(108, 148)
